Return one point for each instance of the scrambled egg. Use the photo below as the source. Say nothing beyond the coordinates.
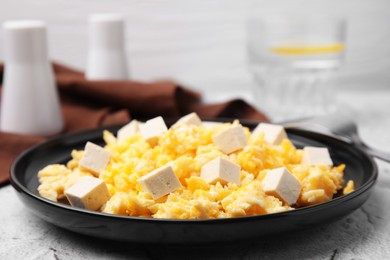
(188, 148)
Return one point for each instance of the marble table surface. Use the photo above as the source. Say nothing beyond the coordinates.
(364, 234)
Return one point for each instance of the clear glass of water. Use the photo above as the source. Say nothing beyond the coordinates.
(292, 57)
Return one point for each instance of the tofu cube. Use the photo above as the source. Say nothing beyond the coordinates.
(160, 182)
(95, 158)
(190, 119)
(273, 134)
(221, 170)
(88, 193)
(231, 139)
(316, 156)
(210, 124)
(152, 129)
(128, 130)
(282, 184)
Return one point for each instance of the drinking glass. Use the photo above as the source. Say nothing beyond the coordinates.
(291, 58)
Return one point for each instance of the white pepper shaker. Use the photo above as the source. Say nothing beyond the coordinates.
(107, 53)
(30, 102)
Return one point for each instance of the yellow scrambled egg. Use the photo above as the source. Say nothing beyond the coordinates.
(188, 148)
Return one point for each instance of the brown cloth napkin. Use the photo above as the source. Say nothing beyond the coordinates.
(88, 104)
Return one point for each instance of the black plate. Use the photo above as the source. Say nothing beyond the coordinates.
(360, 167)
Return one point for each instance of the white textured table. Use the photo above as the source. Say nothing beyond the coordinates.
(364, 234)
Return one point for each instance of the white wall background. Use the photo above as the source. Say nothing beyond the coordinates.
(202, 43)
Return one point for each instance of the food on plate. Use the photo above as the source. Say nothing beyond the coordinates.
(190, 119)
(273, 134)
(88, 193)
(194, 170)
(221, 170)
(160, 182)
(152, 129)
(128, 130)
(282, 184)
(316, 155)
(95, 158)
(231, 139)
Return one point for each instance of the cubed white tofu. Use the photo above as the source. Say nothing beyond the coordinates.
(88, 193)
(221, 170)
(190, 119)
(273, 134)
(231, 139)
(128, 130)
(210, 124)
(160, 182)
(95, 158)
(152, 129)
(282, 184)
(316, 156)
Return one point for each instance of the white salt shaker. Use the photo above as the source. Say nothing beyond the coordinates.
(107, 53)
(30, 102)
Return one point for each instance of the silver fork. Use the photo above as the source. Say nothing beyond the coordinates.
(341, 126)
